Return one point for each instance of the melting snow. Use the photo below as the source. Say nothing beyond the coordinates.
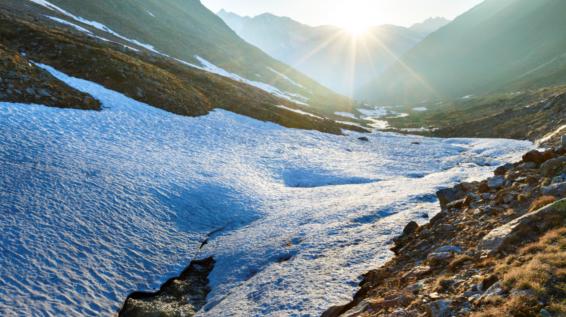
(208, 66)
(96, 204)
(346, 115)
(286, 78)
(299, 111)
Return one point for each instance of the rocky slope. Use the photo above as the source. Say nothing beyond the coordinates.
(529, 114)
(497, 248)
(28, 31)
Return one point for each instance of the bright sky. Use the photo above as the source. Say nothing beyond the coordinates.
(348, 13)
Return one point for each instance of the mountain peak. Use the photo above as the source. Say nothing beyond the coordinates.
(429, 25)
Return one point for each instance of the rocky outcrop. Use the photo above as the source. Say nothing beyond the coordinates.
(533, 223)
(23, 82)
(182, 296)
(480, 255)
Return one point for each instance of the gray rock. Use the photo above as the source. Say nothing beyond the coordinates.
(358, 309)
(448, 195)
(557, 189)
(563, 141)
(553, 166)
(559, 179)
(439, 308)
(544, 313)
(517, 229)
(496, 182)
(439, 257)
(449, 248)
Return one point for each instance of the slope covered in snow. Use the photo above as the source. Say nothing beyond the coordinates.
(96, 205)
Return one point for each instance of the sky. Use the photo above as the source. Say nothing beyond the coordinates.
(348, 13)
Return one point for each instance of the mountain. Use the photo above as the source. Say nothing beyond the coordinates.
(188, 31)
(137, 64)
(429, 25)
(497, 45)
(328, 54)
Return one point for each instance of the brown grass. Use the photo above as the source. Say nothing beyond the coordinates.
(539, 270)
(541, 202)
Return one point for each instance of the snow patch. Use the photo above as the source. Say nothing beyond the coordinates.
(286, 78)
(299, 111)
(101, 203)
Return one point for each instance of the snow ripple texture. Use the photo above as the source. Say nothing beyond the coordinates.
(96, 204)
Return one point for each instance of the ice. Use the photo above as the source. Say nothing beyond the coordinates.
(97, 204)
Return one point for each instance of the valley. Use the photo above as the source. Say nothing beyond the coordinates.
(157, 159)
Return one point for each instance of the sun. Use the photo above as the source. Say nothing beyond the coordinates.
(356, 28)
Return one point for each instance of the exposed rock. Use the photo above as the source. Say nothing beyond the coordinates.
(502, 170)
(523, 227)
(553, 166)
(496, 182)
(558, 189)
(449, 248)
(449, 195)
(533, 156)
(439, 308)
(364, 139)
(410, 228)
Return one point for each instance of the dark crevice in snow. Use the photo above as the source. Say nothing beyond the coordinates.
(184, 295)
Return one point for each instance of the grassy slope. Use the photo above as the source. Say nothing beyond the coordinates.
(526, 115)
(185, 28)
(498, 44)
(155, 80)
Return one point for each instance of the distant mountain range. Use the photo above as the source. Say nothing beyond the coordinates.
(329, 54)
(498, 45)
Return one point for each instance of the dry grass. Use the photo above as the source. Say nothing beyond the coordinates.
(541, 202)
(537, 275)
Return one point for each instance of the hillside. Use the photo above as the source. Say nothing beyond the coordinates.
(495, 249)
(35, 33)
(487, 49)
(354, 60)
(188, 31)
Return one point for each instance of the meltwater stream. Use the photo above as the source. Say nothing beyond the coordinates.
(95, 205)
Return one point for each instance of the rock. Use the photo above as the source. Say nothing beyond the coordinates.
(524, 228)
(449, 248)
(364, 139)
(410, 228)
(533, 156)
(563, 141)
(502, 170)
(528, 165)
(496, 182)
(448, 195)
(417, 272)
(357, 310)
(456, 204)
(557, 189)
(544, 313)
(439, 308)
(553, 166)
(559, 179)
(437, 258)
(483, 188)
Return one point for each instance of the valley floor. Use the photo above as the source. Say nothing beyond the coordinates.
(98, 204)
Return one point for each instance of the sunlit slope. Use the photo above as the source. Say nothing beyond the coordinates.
(186, 29)
(500, 44)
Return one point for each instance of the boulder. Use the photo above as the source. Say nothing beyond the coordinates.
(364, 139)
(410, 228)
(502, 170)
(439, 308)
(534, 156)
(448, 195)
(525, 228)
(553, 166)
(556, 189)
(496, 182)
(449, 248)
